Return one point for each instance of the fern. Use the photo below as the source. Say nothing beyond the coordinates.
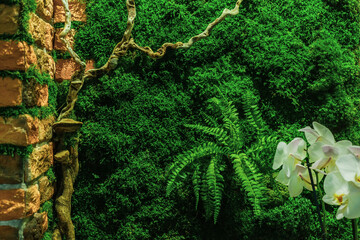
(252, 112)
(216, 187)
(221, 135)
(197, 184)
(251, 180)
(187, 158)
(208, 183)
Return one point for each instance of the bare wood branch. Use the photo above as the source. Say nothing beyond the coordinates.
(121, 48)
(77, 79)
(207, 31)
(65, 31)
(127, 43)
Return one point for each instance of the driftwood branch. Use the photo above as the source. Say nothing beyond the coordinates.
(77, 80)
(128, 43)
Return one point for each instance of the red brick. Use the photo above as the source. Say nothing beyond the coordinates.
(9, 233)
(10, 92)
(45, 9)
(12, 204)
(19, 203)
(9, 18)
(40, 160)
(11, 170)
(16, 55)
(41, 31)
(65, 68)
(20, 131)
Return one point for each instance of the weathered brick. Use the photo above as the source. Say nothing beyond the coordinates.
(58, 44)
(45, 62)
(45, 129)
(35, 94)
(9, 233)
(10, 92)
(41, 31)
(36, 227)
(65, 68)
(20, 131)
(46, 189)
(76, 7)
(45, 9)
(9, 17)
(19, 203)
(11, 171)
(16, 55)
(12, 204)
(32, 200)
(40, 160)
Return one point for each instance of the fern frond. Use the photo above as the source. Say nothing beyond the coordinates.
(216, 187)
(197, 184)
(183, 160)
(219, 133)
(252, 113)
(251, 180)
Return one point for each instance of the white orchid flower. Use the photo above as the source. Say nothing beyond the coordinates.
(349, 168)
(340, 192)
(320, 133)
(325, 156)
(289, 154)
(292, 174)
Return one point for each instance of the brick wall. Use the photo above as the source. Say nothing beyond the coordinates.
(24, 181)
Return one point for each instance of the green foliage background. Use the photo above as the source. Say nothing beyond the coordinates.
(297, 60)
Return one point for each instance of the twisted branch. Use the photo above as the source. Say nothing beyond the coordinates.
(77, 79)
(128, 43)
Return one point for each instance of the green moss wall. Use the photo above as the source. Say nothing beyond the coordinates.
(296, 60)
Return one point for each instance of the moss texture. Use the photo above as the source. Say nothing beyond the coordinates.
(298, 61)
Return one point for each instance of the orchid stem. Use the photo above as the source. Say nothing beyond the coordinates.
(355, 228)
(322, 203)
(323, 235)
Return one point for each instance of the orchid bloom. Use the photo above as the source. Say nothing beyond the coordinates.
(340, 192)
(324, 151)
(349, 168)
(325, 156)
(293, 174)
(320, 133)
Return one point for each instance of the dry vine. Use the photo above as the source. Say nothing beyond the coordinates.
(68, 158)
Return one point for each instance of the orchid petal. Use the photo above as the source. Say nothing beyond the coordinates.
(325, 134)
(355, 150)
(310, 134)
(335, 184)
(281, 177)
(295, 185)
(316, 152)
(353, 209)
(348, 166)
(280, 155)
(340, 212)
(297, 147)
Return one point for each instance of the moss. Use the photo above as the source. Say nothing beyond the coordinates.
(7, 149)
(22, 34)
(51, 175)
